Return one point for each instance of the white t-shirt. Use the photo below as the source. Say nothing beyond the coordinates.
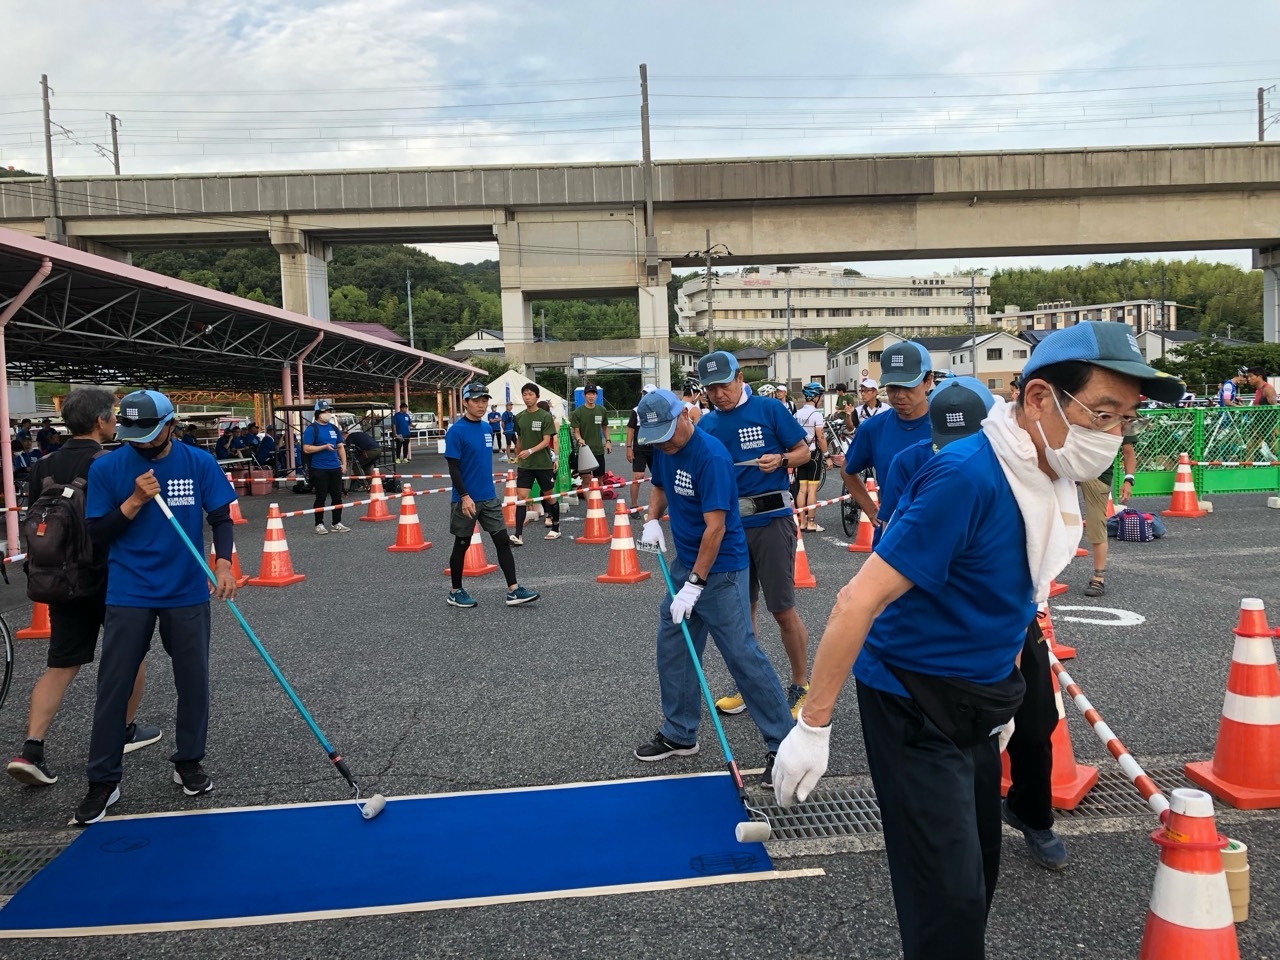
(811, 419)
(863, 411)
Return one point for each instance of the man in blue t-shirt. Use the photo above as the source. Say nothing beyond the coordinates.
(693, 481)
(47, 438)
(265, 453)
(323, 442)
(906, 373)
(402, 426)
(494, 419)
(474, 498)
(763, 440)
(509, 428)
(152, 578)
(933, 622)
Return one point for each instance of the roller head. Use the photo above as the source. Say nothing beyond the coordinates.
(752, 831)
(373, 806)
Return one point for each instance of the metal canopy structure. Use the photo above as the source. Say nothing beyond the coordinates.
(94, 320)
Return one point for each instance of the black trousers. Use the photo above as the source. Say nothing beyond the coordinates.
(1030, 750)
(327, 483)
(940, 806)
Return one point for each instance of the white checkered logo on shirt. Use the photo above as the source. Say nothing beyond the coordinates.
(750, 438)
(684, 483)
(955, 418)
(180, 493)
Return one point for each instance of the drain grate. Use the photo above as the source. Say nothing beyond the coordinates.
(854, 811)
(20, 862)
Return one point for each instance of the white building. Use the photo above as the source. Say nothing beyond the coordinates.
(993, 358)
(1140, 314)
(807, 362)
(753, 305)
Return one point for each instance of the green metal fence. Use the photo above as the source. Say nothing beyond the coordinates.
(1225, 434)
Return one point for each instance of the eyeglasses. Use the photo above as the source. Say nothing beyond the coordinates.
(1132, 426)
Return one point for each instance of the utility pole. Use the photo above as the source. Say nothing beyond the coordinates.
(973, 322)
(408, 286)
(716, 250)
(48, 147)
(1262, 112)
(543, 315)
(787, 271)
(1160, 314)
(115, 143)
(646, 176)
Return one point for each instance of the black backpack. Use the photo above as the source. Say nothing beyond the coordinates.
(60, 564)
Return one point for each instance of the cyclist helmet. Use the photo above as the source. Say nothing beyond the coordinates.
(692, 383)
(812, 391)
(766, 390)
(473, 391)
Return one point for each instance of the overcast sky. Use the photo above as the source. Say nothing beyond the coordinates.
(286, 84)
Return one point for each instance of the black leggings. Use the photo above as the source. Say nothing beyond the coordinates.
(327, 483)
(506, 559)
(402, 448)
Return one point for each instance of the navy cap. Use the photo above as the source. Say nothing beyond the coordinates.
(957, 409)
(718, 367)
(474, 391)
(656, 415)
(142, 415)
(1106, 344)
(904, 364)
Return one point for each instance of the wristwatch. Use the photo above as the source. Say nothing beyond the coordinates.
(696, 580)
(784, 463)
(1128, 478)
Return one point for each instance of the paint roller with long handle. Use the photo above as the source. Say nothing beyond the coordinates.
(368, 808)
(748, 831)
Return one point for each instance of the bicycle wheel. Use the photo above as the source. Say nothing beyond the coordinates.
(6, 676)
(849, 517)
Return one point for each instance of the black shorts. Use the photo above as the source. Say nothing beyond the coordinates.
(546, 480)
(811, 471)
(641, 458)
(73, 630)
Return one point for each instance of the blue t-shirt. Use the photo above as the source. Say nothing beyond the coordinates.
(401, 421)
(959, 538)
(508, 422)
(239, 443)
(752, 429)
(467, 441)
(904, 466)
(878, 440)
(222, 449)
(495, 421)
(317, 434)
(266, 448)
(147, 566)
(190, 440)
(698, 479)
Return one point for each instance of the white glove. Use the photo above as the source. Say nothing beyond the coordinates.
(683, 603)
(1006, 734)
(653, 534)
(801, 762)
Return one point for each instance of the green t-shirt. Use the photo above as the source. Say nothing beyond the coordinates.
(531, 428)
(588, 422)
(1110, 476)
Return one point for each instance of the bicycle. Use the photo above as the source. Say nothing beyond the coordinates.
(6, 669)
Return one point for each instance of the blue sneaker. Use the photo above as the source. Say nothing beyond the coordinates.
(520, 595)
(460, 598)
(1045, 846)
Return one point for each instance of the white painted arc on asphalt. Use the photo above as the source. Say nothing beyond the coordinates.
(1255, 711)
(1197, 901)
(1114, 616)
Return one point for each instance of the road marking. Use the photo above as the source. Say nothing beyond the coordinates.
(1116, 618)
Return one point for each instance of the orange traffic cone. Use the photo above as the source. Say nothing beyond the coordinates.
(236, 517)
(1111, 505)
(241, 577)
(1081, 552)
(474, 563)
(1060, 650)
(804, 576)
(624, 565)
(866, 532)
(1070, 781)
(1184, 502)
(1057, 589)
(509, 501)
(1190, 911)
(277, 568)
(409, 529)
(1245, 770)
(377, 511)
(39, 629)
(595, 530)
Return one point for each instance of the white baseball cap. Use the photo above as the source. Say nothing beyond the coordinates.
(869, 383)
(649, 388)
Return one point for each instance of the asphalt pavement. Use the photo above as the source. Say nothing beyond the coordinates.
(422, 697)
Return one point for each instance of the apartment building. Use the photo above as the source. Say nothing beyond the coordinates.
(1142, 315)
(751, 304)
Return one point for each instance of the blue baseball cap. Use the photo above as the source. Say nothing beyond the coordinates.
(717, 367)
(142, 415)
(957, 408)
(1106, 344)
(474, 391)
(904, 364)
(656, 416)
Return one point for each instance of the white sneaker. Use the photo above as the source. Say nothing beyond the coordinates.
(320, 530)
(341, 528)
(552, 535)
(515, 541)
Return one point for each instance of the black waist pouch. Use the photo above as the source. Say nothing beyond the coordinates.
(966, 712)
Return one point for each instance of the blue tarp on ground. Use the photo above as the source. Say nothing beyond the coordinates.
(221, 867)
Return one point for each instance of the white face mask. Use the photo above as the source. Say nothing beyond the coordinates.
(1085, 454)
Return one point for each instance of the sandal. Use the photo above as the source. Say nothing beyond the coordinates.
(1096, 587)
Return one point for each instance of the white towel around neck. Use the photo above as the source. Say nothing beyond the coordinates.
(1049, 508)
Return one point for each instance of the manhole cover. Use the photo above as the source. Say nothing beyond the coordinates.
(20, 862)
(853, 811)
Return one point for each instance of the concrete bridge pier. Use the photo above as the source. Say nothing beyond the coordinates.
(1268, 261)
(304, 271)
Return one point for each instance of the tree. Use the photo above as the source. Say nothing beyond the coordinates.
(1203, 364)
